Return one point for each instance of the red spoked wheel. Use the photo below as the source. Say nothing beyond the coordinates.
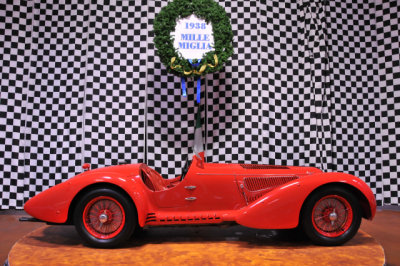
(104, 217)
(331, 216)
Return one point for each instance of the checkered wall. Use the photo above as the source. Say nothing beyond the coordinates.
(54, 106)
(115, 90)
(15, 39)
(73, 91)
(233, 99)
(310, 83)
(294, 84)
(355, 97)
(388, 40)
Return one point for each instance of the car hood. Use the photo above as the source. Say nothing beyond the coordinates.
(259, 169)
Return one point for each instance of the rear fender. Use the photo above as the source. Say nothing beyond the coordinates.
(132, 189)
(280, 209)
(53, 205)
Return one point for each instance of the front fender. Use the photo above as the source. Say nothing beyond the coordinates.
(280, 209)
(52, 205)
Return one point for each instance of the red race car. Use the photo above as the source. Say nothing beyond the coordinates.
(106, 205)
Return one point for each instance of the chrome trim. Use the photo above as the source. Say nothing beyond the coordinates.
(190, 187)
(191, 198)
(256, 175)
(103, 218)
(244, 194)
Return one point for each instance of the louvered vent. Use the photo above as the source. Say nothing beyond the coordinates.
(262, 166)
(151, 217)
(204, 218)
(256, 187)
(266, 183)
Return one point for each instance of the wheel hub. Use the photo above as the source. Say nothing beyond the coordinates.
(333, 216)
(103, 218)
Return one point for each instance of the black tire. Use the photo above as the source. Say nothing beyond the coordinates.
(105, 218)
(138, 233)
(331, 216)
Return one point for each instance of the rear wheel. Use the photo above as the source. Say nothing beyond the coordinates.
(331, 216)
(105, 218)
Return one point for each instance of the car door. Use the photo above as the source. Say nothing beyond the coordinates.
(205, 187)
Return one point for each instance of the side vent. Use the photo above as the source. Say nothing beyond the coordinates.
(160, 219)
(256, 187)
(151, 217)
(266, 183)
(262, 166)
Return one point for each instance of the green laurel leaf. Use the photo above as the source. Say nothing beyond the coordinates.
(210, 11)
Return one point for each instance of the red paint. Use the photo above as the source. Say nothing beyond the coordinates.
(267, 197)
(86, 166)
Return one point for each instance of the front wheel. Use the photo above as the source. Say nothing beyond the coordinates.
(331, 216)
(105, 218)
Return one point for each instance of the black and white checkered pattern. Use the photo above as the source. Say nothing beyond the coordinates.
(56, 87)
(388, 39)
(356, 125)
(15, 38)
(234, 128)
(296, 85)
(80, 94)
(286, 116)
(115, 82)
(310, 83)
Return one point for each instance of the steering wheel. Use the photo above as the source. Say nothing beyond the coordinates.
(185, 167)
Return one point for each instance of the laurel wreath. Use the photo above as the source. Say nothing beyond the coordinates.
(208, 10)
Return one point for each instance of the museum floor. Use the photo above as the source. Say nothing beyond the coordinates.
(385, 229)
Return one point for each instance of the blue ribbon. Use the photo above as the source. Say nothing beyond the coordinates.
(183, 84)
(198, 79)
(198, 89)
(195, 64)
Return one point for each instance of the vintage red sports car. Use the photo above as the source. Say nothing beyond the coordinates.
(107, 204)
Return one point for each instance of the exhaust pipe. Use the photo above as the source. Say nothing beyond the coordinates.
(30, 219)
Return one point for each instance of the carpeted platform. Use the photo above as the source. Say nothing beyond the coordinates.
(207, 245)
